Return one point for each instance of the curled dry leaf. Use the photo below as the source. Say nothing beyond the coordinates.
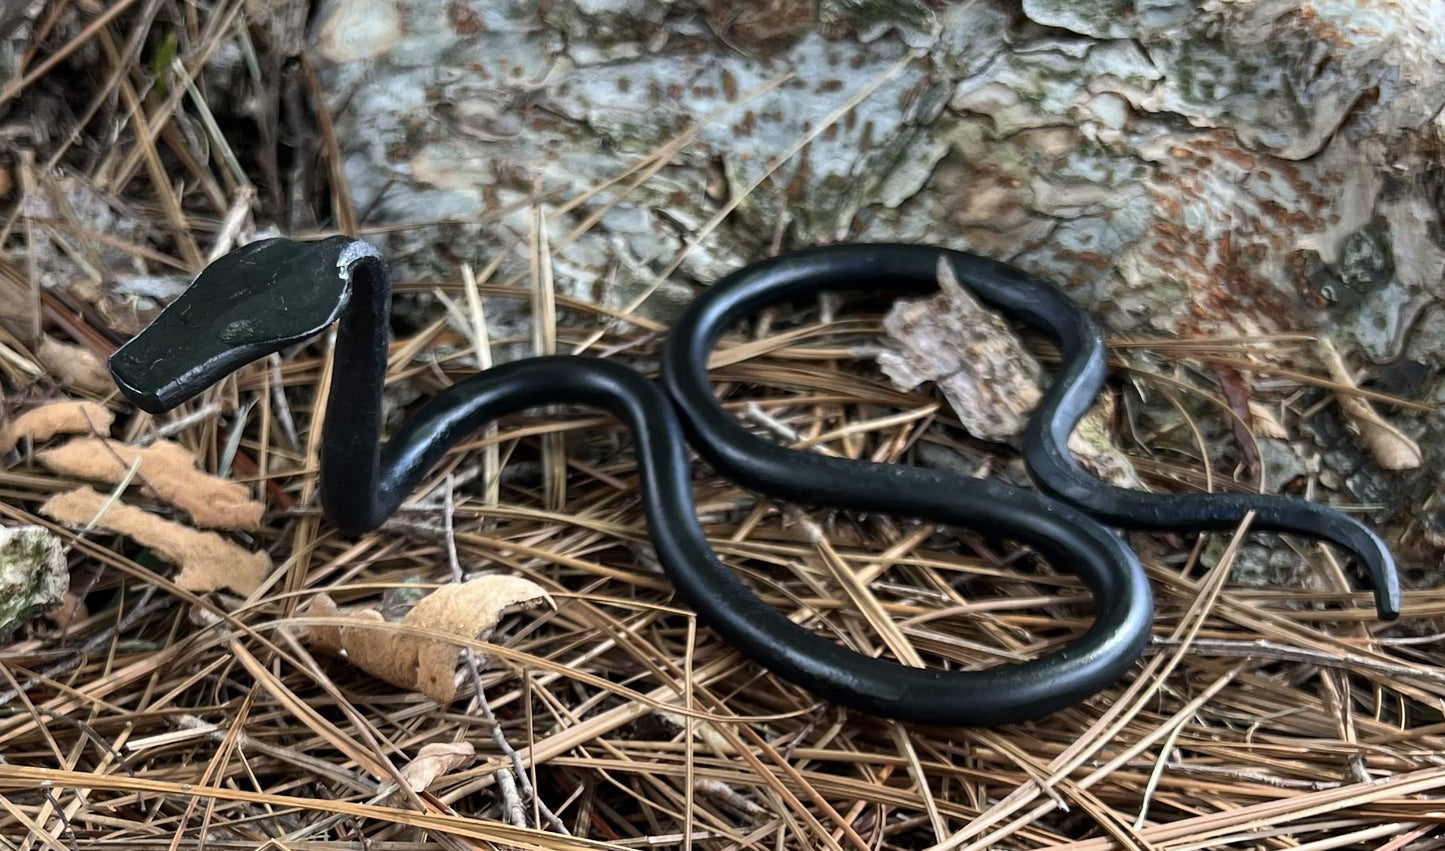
(69, 417)
(1265, 422)
(1237, 396)
(75, 366)
(435, 760)
(208, 562)
(1391, 448)
(429, 666)
(707, 734)
(169, 470)
(1093, 443)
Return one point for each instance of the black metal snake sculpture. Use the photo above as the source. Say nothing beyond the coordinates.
(275, 293)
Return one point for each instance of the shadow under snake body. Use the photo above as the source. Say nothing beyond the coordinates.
(276, 293)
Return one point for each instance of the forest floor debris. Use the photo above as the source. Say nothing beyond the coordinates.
(155, 710)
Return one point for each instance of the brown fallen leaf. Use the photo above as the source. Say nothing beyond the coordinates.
(72, 610)
(68, 417)
(429, 666)
(1236, 395)
(1392, 449)
(75, 366)
(435, 760)
(169, 470)
(208, 562)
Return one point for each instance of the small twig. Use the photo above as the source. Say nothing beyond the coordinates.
(511, 801)
(231, 225)
(782, 429)
(279, 406)
(67, 832)
(180, 424)
(508, 782)
(321, 767)
(1156, 774)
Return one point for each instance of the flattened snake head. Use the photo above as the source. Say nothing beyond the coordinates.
(248, 304)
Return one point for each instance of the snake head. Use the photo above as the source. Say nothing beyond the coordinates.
(250, 303)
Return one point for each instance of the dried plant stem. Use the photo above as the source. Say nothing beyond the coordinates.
(508, 782)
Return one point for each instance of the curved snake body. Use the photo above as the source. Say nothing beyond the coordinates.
(275, 293)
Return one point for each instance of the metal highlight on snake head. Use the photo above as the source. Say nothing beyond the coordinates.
(254, 301)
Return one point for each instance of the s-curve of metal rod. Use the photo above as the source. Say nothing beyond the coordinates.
(276, 293)
(912, 269)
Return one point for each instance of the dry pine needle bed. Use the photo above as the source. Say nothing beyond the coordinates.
(503, 665)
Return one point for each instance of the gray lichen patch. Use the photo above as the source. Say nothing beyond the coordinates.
(33, 574)
(1289, 76)
(1108, 19)
(1146, 154)
(639, 104)
(1113, 19)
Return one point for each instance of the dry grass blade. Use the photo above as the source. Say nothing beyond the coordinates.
(81, 38)
(444, 824)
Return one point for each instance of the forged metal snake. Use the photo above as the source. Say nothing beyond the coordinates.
(275, 293)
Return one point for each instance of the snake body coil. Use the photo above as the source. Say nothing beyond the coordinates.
(275, 293)
(912, 269)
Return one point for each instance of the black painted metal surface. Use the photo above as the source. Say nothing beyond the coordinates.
(276, 293)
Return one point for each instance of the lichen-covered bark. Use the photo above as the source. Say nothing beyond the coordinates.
(1271, 164)
(461, 110)
(34, 575)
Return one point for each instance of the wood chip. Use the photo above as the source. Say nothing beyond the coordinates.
(208, 562)
(169, 470)
(470, 610)
(68, 417)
